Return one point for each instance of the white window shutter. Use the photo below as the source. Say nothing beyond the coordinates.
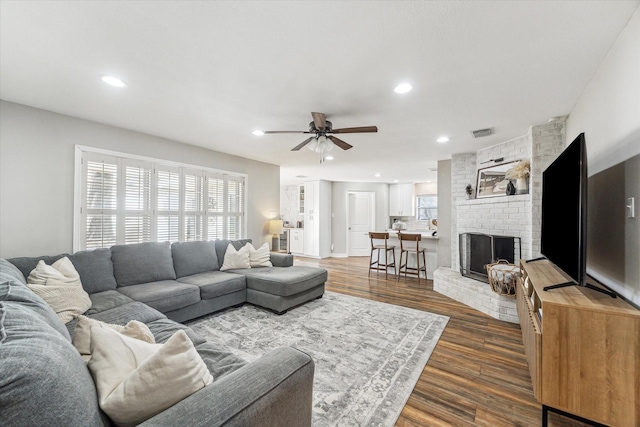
(100, 199)
(168, 204)
(137, 202)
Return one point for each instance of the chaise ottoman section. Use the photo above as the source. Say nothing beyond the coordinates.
(280, 289)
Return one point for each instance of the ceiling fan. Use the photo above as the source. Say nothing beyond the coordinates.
(321, 129)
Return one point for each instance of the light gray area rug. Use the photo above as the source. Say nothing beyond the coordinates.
(368, 355)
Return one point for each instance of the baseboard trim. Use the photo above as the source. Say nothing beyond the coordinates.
(339, 256)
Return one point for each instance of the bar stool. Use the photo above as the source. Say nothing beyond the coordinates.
(406, 249)
(376, 265)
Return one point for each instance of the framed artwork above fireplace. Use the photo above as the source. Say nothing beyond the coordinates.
(492, 182)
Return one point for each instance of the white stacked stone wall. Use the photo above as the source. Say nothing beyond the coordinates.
(547, 142)
(463, 172)
(475, 294)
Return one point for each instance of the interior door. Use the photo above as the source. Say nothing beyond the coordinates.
(360, 220)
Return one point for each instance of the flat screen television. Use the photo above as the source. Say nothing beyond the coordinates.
(564, 214)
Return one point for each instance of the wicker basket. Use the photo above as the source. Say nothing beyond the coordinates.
(503, 277)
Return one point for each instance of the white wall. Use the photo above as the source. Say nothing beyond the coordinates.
(608, 112)
(339, 192)
(37, 176)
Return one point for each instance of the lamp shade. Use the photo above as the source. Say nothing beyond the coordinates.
(275, 226)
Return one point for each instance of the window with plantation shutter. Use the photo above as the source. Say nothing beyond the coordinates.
(235, 206)
(100, 201)
(168, 204)
(215, 206)
(194, 211)
(129, 199)
(138, 213)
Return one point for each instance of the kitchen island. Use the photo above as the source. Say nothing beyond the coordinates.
(428, 242)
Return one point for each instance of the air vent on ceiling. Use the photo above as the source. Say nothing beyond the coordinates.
(481, 132)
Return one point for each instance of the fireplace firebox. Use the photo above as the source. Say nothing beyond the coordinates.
(477, 250)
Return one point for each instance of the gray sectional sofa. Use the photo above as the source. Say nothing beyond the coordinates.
(43, 380)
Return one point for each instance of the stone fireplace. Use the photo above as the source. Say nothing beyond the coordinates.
(479, 249)
(516, 217)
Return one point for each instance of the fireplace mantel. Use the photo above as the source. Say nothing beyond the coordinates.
(495, 200)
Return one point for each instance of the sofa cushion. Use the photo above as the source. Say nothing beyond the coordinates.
(122, 314)
(142, 263)
(213, 284)
(106, 300)
(95, 269)
(284, 281)
(9, 272)
(26, 264)
(165, 295)
(220, 362)
(43, 380)
(221, 247)
(137, 380)
(163, 329)
(194, 257)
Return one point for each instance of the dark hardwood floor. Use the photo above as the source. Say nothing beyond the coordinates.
(477, 374)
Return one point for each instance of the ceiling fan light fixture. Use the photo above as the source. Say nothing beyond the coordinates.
(313, 145)
(403, 88)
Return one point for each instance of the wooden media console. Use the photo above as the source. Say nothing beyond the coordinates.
(582, 347)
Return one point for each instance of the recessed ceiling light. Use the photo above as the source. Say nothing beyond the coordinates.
(114, 81)
(329, 158)
(395, 180)
(403, 88)
(378, 175)
(443, 139)
(258, 132)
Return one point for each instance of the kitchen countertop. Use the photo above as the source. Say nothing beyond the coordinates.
(426, 234)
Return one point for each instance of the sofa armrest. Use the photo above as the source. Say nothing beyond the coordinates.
(274, 390)
(281, 260)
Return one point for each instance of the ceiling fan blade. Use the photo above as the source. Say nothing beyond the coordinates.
(319, 119)
(340, 143)
(360, 129)
(302, 144)
(285, 131)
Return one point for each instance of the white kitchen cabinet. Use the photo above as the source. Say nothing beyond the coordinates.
(401, 200)
(317, 219)
(301, 199)
(296, 241)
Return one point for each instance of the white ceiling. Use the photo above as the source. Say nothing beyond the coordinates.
(209, 73)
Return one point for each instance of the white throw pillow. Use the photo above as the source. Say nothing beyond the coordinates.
(136, 380)
(82, 334)
(236, 259)
(260, 257)
(59, 285)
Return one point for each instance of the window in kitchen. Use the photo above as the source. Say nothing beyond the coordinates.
(427, 207)
(122, 199)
